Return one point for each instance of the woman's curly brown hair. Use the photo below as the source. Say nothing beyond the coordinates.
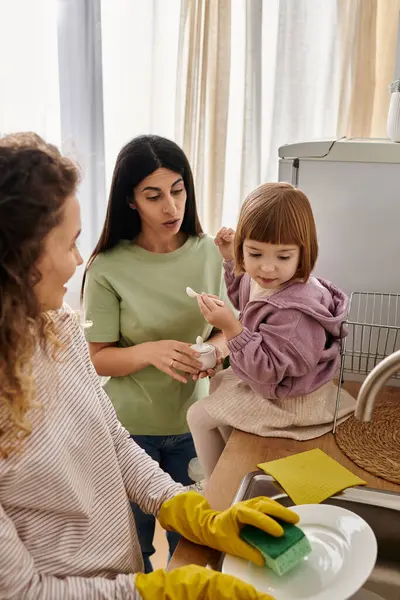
(35, 181)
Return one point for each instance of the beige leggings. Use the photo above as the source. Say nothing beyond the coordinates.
(209, 435)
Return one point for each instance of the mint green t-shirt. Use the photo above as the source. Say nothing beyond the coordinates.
(134, 296)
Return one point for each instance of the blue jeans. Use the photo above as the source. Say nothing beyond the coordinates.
(173, 453)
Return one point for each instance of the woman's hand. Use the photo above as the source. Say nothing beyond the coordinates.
(211, 372)
(224, 241)
(196, 583)
(221, 317)
(261, 512)
(190, 515)
(171, 356)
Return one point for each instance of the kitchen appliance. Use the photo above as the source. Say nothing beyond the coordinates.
(354, 189)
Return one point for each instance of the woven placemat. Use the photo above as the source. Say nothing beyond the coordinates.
(374, 446)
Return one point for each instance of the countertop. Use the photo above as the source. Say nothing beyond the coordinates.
(241, 456)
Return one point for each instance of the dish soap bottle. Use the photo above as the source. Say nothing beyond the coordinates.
(393, 121)
(208, 354)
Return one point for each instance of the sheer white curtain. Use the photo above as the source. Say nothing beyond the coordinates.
(140, 58)
(203, 98)
(303, 70)
(29, 84)
(284, 87)
(81, 115)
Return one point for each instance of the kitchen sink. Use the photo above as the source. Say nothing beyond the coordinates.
(380, 509)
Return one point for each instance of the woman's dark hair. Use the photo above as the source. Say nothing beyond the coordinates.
(137, 160)
(35, 181)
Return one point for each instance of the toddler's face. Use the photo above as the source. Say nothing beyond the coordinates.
(270, 265)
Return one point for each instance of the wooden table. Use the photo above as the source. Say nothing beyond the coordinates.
(241, 456)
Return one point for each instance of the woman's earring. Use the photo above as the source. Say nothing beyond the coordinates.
(130, 203)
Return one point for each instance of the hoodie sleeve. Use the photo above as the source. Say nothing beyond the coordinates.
(289, 345)
(233, 283)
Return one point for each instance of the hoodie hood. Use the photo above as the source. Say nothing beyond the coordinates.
(318, 298)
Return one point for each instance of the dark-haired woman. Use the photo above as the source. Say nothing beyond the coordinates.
(139, 321)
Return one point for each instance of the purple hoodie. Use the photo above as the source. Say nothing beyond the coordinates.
(290, 343)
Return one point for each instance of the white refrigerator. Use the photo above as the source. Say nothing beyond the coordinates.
(354, 189)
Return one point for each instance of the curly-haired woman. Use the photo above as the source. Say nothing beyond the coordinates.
(68, 469)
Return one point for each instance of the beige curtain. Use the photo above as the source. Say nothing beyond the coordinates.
(233, 116)
(368, 31)
(203, 98)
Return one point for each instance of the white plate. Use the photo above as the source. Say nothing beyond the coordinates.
(344, 551)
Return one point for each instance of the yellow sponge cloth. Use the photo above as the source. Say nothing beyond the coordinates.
(310, 477)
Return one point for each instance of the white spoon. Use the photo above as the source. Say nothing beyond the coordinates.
(192, 294)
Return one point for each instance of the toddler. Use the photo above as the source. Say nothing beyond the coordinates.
(285, 347)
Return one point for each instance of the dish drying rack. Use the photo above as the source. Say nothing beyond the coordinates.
(373, 326)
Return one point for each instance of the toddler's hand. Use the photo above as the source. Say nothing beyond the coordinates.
(221, 317)
(224, 241)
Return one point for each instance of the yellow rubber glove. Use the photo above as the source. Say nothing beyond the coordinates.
(194, 583)
(190, 515)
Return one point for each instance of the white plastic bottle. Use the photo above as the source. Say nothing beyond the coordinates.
(393, 120)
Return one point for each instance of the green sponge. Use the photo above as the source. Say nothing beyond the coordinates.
(280, 554)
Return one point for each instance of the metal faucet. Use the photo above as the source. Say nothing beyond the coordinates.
(374, 383)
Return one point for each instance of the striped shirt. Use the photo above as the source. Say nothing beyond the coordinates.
(66, 526)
